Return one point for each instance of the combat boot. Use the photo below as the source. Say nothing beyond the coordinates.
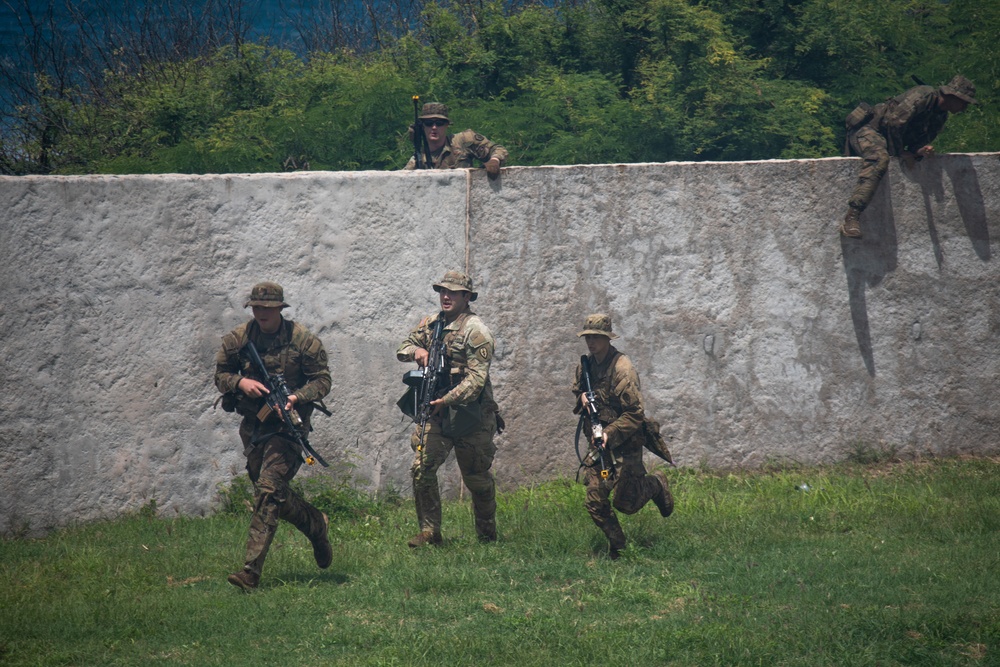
(322, 549)
(245, 579)
(424, 537)
(664, 501)
(852, 224)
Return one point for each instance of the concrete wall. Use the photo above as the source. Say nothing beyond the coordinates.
(759, 334)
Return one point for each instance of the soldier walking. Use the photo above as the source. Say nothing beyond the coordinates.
(465, 415)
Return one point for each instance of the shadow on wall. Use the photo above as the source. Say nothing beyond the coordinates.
(869, 260)
(929, 175)
(866, 262)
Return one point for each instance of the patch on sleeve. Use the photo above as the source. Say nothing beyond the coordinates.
(484, 353)
(479, 137)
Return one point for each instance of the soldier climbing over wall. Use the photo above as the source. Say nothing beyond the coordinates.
(902, 126)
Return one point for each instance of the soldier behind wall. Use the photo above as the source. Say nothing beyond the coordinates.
(455, 151)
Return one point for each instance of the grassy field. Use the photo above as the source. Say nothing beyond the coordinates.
(886, 564)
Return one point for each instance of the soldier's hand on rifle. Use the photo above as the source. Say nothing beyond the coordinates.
(421, 356)
(437, 404)
(252, 388)
(492, 168)
(292, 400)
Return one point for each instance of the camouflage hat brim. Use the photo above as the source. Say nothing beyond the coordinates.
(455, 287)
(434, 115)
(265, 304)
(948, 90)
(597, 332)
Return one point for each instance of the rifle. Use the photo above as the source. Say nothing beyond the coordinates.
(421, 151)
(426, 381)
(596, 429)
(275, 401)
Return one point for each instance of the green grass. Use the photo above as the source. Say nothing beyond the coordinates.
(892, 564)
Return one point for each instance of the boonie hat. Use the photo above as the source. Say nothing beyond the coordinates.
(598, 324)
(961, 88)
(434, 110)
(268, 295)
(456, 281)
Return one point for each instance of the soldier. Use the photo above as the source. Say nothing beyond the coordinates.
(272, 457)
(901, 126)
(455, 151)
(615, 384)
(465, 415)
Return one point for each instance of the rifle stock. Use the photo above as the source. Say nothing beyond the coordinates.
(275, 401)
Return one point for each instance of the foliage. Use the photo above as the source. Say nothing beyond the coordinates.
(847, 565)
(569, 82)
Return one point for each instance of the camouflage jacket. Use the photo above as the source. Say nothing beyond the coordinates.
(293, 351)
(910, 121)
(460, 149)
(619, 400)
(468, 353)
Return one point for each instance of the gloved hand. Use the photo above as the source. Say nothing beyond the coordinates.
(493, 168)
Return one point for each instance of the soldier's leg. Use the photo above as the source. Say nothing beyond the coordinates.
(426, 494)
(274, 500)
(294, 508)
(599, 508)
(636, 487)
(475, 454)
(871, 146)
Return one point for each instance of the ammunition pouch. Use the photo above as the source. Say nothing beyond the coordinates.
(462, 420)
(229, 401)
(861, 115)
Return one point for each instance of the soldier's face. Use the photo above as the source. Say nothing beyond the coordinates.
(268, 319)
(597, 345)
(435, 129)
(453, 303)
(953, 104)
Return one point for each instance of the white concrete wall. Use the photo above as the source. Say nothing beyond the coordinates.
(759, 334)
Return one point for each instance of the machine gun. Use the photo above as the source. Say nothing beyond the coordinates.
(599, 448)
(424, 382)
(275, 401)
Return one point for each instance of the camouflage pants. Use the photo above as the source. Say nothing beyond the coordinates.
(272, 465)
(870, 145)
(474, 453)
(632, 488)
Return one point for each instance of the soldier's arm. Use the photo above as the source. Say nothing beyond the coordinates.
(316, 370)
(227, 365)
(419, 339)
(625, 385)
(482, 148)
(479, 346)
(412, 164)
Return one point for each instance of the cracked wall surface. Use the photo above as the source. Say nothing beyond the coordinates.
(760, 336)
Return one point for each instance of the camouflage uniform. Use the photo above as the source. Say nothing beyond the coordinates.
(905, 123)
(273, 460)
(467, 425)
(615, 383)
(460, 149)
